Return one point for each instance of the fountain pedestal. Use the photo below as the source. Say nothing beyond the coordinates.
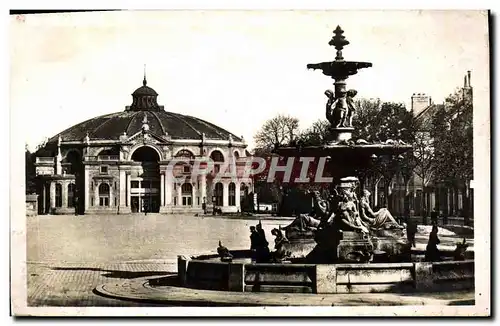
(341, 134)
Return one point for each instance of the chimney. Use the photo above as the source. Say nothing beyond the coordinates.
(468, 78)
(419, 102)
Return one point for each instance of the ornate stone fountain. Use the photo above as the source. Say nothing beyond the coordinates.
(344, 228)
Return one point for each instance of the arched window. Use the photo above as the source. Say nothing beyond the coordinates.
(187, 194)
(58, 195)
(232, 194)
(217, 156)
(185, 153)
(218, 190)
(236, 154)
(73, 162)
(103, 194)
(71, 195)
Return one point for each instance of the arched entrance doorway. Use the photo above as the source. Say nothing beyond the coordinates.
(145, 187)
(187, 194)
(218, 194)
(73, 165)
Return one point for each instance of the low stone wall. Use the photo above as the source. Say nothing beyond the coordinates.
(31, 205)
(365, 278)
(325, 278)
(280, 278)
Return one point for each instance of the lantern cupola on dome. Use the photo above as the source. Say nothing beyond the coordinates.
(144, 98)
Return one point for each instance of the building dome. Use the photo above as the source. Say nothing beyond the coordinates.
(131, 121)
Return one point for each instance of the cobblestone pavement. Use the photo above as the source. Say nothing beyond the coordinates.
(73, 284)
(68, 256)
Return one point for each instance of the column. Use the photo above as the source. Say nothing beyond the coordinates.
(52, 194)
(179, 195)
(237, 194)
(123, 189)
(168, 188)
(449, 203)
(96, 194)
(460, 200)
(127, 177)
(64, 193)
(225, 194)
(162, 189)
(433, 200)
(193, 194)
(86, 187)
(44, 198)
(203, 188)
(111, 198)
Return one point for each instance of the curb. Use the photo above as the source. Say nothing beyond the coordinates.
(139, 290)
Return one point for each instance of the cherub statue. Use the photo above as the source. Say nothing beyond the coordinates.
(336, 108)
(351, 108)
(280, 245)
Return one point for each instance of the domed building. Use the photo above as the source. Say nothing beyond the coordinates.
(141, 159)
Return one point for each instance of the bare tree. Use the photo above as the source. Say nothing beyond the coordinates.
(280, 130)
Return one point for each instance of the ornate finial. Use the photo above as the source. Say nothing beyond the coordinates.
(144, 82)
(338, 41)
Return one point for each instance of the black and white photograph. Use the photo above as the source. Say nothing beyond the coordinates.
(250, 163)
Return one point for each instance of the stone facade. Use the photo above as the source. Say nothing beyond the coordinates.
(153, 169)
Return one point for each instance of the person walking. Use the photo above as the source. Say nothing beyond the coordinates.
(432, 251)
(434, 216)
(411, 231)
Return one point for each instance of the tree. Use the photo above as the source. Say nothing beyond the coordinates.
(278, 131)
(381, 122)
(452, 131)
(30, 171)
(317, 134)
(366, 123)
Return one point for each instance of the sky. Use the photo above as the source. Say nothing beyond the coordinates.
(236, 69)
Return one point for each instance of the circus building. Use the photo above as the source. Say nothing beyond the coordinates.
(121, 163)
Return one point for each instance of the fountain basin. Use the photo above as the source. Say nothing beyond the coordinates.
(241, 275)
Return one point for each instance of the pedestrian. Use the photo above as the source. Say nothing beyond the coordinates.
(432, 251)
(75, 205)
(145, 207)
(411, 231)
(254, 242)
(434, 216)
(262, 250)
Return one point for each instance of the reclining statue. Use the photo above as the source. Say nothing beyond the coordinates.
(305, 223)
(381, 219)
(343, 212)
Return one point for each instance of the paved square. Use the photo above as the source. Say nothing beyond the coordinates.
(68, 256)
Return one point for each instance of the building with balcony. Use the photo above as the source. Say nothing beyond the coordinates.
(141, 159)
